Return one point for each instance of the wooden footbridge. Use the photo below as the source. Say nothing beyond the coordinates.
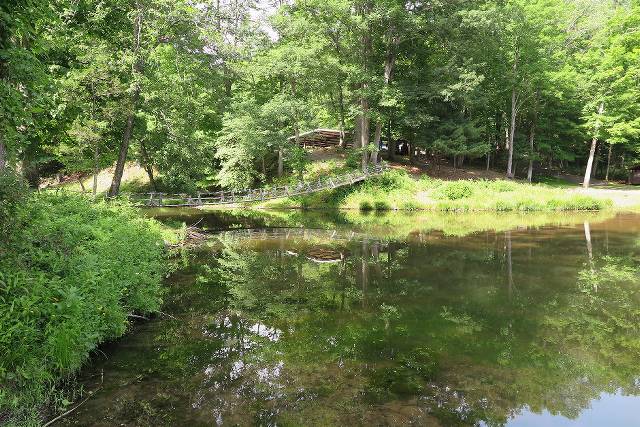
(252, 195)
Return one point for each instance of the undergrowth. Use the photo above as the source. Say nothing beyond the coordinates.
(71, 274)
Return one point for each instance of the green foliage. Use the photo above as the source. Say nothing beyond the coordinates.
(454, 190)
(354, 159)
(366, 205)
(381, 205)
(13, 191)
(72, 272)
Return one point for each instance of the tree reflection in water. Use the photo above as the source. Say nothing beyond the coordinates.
(361, 329)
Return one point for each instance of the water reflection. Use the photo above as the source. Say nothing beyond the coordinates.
(315, 327)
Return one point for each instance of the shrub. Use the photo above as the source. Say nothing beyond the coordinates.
(13, 190)
(381, 205)
(365, 205)
(354, 159)
(454, 190)
(392, 180)
(68, 283)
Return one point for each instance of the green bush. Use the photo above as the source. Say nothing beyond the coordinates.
(354, 159)
(454, 190)
(392, 180)
(71, 275)
(366, 205)
(13, 190)
(381, 205)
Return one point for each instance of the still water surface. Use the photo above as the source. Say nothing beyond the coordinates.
(387, 325)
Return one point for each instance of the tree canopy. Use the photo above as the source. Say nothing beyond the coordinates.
(206, 94)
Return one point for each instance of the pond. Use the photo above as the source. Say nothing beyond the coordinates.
(442, 320)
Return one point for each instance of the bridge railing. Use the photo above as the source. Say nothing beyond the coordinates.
(252, 195)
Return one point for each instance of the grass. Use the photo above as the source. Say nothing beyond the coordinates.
(395, 224)
(396, 190)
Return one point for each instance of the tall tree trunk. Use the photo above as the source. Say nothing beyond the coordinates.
(389, 62)
(148, 166)
(411, 151)
(587, 172)
(126, 137)
(376, 142)
(343, 141)
(364, 132)
(96, 170)
(124, 148)
(280, 162)
(532, 133)
(531, 139)
(512, 132)
(592, 151)
(364, 101)
(488, 160)
(514, 112)
(391, 144)
(606, 176)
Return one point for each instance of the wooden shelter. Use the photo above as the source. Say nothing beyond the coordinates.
(634, 175)
(321, 138)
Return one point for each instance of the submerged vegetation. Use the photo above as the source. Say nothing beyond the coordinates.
(72, 273)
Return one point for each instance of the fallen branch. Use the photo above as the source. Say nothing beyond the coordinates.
(61, 416)
(137, 317)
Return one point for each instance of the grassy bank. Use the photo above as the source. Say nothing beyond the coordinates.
(71, 275)
(396, 190)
